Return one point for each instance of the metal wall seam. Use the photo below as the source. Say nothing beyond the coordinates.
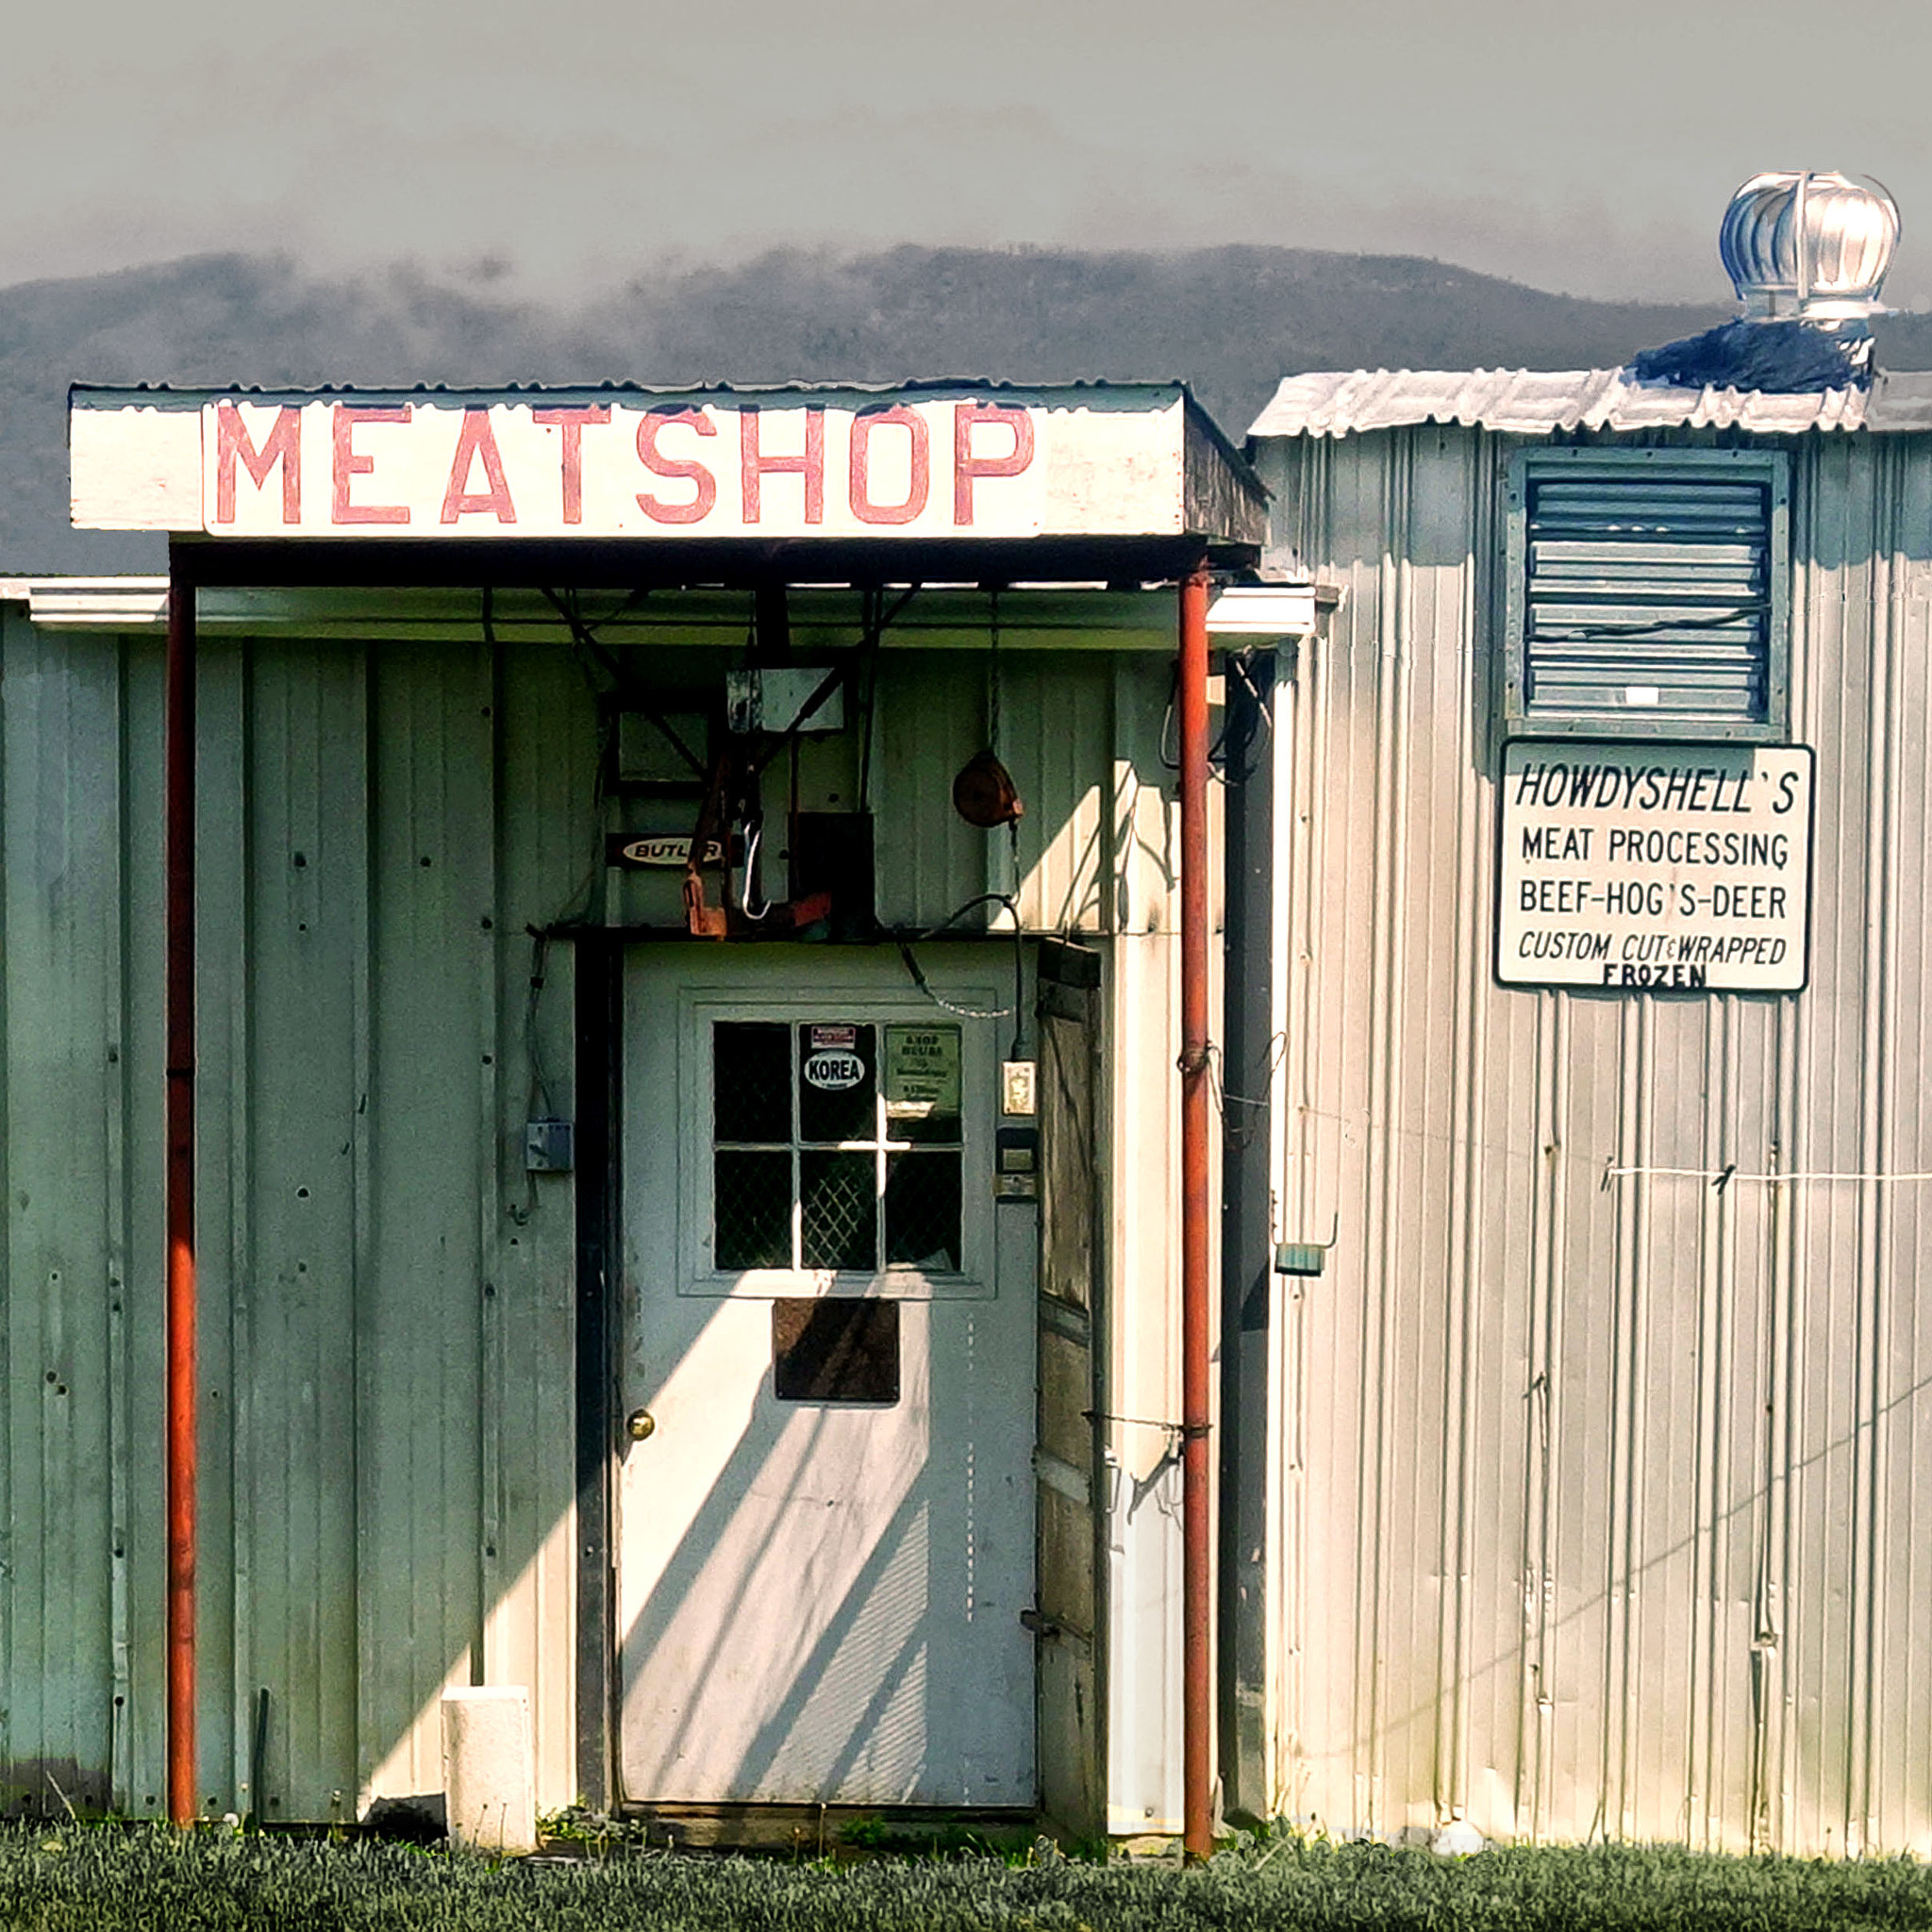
(1836, 1137)
(1544, 1415)
(546, 743)
(61, 800)
(358, 900)
(1710, 1514)
(1902, 1773)
(928, 711)
(120, 1444)
(227, 1300)
(144, 1060)
(1054, 720)
(493, 1200)
(1465, 1363)
(1873, 1204)
(1143, 1731)
(16, 637)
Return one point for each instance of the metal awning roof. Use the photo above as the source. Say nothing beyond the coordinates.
(1535, 401)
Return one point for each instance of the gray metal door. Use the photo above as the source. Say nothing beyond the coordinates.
(825, 1519)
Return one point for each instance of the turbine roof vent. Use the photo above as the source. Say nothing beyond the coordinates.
(1808, 244)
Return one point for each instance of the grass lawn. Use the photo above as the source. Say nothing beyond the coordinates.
(98, 1878)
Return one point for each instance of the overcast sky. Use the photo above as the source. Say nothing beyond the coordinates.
(580, 141)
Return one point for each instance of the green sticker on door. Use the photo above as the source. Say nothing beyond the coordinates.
(922, 1072)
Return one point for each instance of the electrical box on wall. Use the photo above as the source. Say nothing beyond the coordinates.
(1016, 1164)
(549, 1146)
(775, 698)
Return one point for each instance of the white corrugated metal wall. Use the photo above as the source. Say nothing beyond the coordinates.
(388, 1391)
(1596, 1502)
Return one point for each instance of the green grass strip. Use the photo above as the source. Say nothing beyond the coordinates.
(75, 1878)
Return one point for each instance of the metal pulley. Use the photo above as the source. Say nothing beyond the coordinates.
(984, 794)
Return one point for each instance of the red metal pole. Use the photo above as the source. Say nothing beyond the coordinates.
(1197, 1586)
(179, 863)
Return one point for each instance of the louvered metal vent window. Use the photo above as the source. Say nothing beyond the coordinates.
(1648, 593)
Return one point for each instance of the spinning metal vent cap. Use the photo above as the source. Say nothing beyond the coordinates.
(1814, 245)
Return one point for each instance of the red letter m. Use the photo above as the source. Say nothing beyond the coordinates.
(284, 446)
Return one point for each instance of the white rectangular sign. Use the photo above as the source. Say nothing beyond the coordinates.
(785, 465)
(1663, 867)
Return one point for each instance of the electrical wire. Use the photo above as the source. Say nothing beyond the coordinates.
(538, 1103)
(1722, 1177)
(907, 940)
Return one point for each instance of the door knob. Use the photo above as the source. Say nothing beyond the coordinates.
(640, 1425)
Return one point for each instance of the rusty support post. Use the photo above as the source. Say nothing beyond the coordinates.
(1197, 1599)
(179, 863)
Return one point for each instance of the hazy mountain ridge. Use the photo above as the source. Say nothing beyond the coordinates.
(1229, 320)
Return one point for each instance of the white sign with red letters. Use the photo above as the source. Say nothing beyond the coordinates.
(784, 464)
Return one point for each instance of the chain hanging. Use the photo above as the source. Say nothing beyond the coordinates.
(992, 678)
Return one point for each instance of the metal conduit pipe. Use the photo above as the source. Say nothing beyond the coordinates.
(178, 755)
(1197, 1602)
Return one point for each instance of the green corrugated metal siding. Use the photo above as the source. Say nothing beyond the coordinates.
(67, 1017)
(385, 1336)
(387, 1339)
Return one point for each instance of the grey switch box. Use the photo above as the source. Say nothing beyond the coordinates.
(548, 1146)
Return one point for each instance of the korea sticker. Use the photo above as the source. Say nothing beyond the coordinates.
(833, 1065)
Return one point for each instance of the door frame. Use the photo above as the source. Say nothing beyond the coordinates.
(600, 1009)
(599, 1069)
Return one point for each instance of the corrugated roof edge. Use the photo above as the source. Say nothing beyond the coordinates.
(918, 386)
(1537, 402)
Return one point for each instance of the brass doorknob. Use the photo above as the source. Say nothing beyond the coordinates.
(640, 1425)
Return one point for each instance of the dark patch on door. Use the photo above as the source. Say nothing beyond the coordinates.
(835, 1348)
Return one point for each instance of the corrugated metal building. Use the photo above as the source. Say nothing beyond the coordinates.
(425, 919)
(1569, 1465)
(1587, 1498)
(389, 802)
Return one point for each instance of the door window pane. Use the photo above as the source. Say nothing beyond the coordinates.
(837, 1146)
(751, 1081)
(752, 1199)
(922, 1083)
(836, 1089)
(922, 1211)
(837, 1211)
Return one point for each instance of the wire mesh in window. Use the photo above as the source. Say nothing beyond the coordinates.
(922, 1211)
(751, 1081)
(837, 1203)
(751, 1195)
